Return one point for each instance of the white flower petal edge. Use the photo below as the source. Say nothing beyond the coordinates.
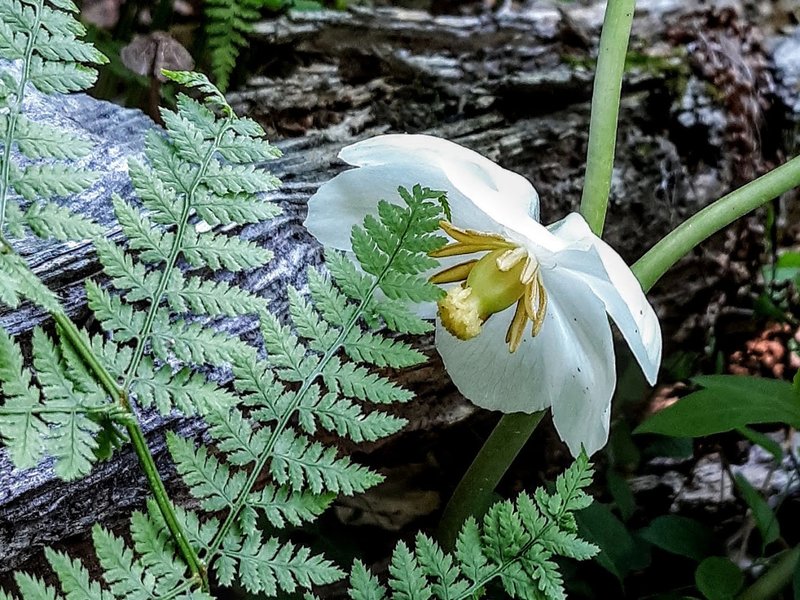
(482, 194)
(620, 291)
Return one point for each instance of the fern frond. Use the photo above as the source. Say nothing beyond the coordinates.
(223, 252)
(269, 566)
(241, 210)
(71, 436)
(186, 390)
(125, 576)
(281, 506)
(21, 428)
(515, 546)
(49, 180)
(26, 284)
(49, 220)
(51, 77)
(156, 550)
(302, 464)
(364, 585)
(214, 298)
(228, 24)
(120, 318)
(35, 140)
(208, 479)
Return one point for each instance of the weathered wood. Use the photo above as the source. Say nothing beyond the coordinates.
(513, 86)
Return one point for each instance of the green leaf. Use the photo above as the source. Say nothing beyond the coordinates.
(763, 440)
(718, 578)
(364, 585)
(214, 298)
(21, 428)
(36, 140)
(681, 535)
(49, 180)
(727, 402)
(281, 505)
(50, 220)
(766, 520)
(620, 552)
(50, 77)
(219, 251)
(125, 576)
(74, 578)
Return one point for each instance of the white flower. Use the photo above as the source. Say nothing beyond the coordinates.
(561, 279)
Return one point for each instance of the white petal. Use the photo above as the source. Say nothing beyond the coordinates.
(345, 200)
(569, 365)
(616, 285)
(581, 364)
(502, 201)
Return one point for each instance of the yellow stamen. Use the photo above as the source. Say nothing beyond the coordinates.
(455, 273)
(517, 328)
(506, 275)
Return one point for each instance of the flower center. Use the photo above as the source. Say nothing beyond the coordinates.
(506, 275)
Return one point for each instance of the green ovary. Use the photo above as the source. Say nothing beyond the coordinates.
(487, 290)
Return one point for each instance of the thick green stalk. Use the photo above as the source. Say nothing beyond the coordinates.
(473, 495)
(775, 579)
(679, 242)
(605, 111)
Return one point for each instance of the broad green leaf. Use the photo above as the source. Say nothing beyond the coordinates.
(765, 519)
(727, 402)
(681, 535)
(718, 578)
(620, 552)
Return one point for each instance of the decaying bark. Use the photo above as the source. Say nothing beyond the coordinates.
(514, 86)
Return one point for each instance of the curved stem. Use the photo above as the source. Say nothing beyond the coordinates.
(473, 495)
(605, 111)
(775, 579)
(679, 242)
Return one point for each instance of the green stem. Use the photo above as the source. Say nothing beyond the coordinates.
(775, 580)
(679, 242)
(74, 337)
(605, 111)
(15, 111)
(473, 495)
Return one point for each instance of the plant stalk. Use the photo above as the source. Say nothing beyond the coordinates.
(605, 111)
(680, 241)
(473, 495)
(775, 579)
(136, 435)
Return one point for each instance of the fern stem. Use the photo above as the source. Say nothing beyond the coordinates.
(174, 253)
(473, 494)
(307, 384)
(136, 435)
(14, 113)
(196, 567)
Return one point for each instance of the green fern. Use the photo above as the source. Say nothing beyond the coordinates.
(516, 546)
(45, 41)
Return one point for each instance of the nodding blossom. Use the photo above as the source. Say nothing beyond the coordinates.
(524, 324)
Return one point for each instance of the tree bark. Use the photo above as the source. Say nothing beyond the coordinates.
(514, 86)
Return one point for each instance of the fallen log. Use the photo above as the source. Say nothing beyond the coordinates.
(514, 86)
